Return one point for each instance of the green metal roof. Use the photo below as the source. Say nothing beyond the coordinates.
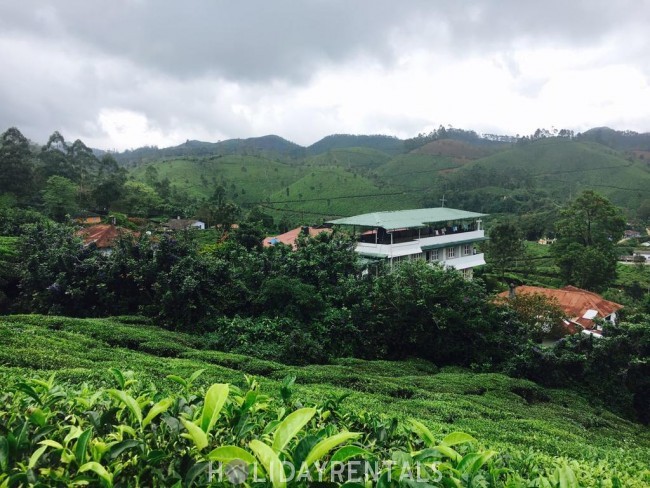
(407, 219)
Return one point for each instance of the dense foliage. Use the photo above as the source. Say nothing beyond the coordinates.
(535, 430)
(587, 231)
(616, 367)
(133, 434)
(298, 306)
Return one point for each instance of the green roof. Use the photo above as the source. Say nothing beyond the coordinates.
(406, 219)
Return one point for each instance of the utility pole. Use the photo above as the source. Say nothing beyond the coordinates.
(442, 200)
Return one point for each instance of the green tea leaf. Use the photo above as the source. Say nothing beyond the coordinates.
(160, 407)
(195, 375)
(194, 472)
(348, 452)
(99, 470)
(225, 454)
(428, 453)
(456, 438)
(120, 447)
(29, 391)
(80, 448)
(448, 452)
(33, 459)
(74, 433)
(473, 461)
(214, 400)
(423, 432)
(129, 401)
(566, 477)
(119, 377)
(4, 454)
(51, 443)
(177, 379)
(326, 445)
(290, 426)
(38, 417)
(271, 463)
(196, 434)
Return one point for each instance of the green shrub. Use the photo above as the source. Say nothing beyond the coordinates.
(128, 434)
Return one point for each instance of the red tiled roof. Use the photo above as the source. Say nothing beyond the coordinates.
(289, 238)
(574, 301)
(103, 235)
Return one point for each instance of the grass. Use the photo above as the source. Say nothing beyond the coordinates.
(510, 415)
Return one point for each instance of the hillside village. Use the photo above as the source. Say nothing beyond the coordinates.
(368, 244)
(354, 258)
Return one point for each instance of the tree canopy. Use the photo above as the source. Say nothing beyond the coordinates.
(587, 231)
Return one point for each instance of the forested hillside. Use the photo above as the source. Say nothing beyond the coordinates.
(435, 367)
(532, 175)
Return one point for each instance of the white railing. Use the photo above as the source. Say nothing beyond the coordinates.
(415, 246)
(464, 262)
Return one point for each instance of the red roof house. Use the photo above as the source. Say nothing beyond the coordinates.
(289, 238)
(582, 307)
(103, 235)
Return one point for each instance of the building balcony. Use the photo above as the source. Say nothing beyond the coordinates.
(464, 262)
(415, 246)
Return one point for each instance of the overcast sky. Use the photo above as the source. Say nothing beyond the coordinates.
(125, 73)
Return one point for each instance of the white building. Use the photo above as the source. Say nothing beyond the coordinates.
(444, 235)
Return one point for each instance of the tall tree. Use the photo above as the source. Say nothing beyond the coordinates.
(505, 246)
(54, 160)
(140, 199)
(15, 163)
(587, 231)
(59, 197)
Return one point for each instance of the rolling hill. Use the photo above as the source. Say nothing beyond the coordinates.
(343, 175)
(265, 146)
(350, 158)
(388, 144)
(331, 192)
(246, 178)
(565, 167)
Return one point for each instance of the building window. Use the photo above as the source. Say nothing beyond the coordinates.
(451, 252)
(467, 250)
(468, 274)
(417, 256)
(434, 255)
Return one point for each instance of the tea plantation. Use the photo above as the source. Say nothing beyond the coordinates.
(128, 405)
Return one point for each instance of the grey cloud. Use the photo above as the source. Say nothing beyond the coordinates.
(65, 61)
(263, 40)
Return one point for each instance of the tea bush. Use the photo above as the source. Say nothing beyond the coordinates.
(136, 435)
(535, 426)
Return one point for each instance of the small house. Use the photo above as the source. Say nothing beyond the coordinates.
(583, 309)
(184, 224)
(104, 236)
(87, 218)
(289, 238)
